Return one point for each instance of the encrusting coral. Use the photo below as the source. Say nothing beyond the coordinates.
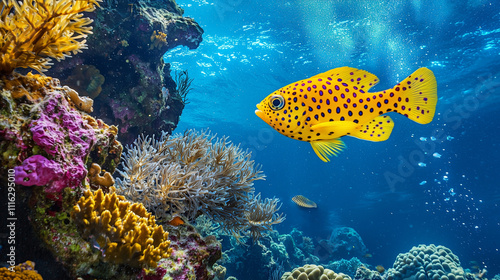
(192, 174)
(125, 232)
(31, 32)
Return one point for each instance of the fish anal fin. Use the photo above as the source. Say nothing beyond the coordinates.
(378, 129)
(363, 80)
(335, 128)
(327, 148)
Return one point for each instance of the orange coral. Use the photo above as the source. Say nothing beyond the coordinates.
(126, 232)
(158, 40)
(32, 32)
(24, 271)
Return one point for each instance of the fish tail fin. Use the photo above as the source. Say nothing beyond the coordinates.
(324, 149)
(418, 95)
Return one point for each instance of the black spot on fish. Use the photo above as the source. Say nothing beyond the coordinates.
(342, 119)
(360, 113)
(379, 105)
(350, 113)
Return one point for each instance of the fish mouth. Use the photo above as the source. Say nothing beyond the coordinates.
(259, 113)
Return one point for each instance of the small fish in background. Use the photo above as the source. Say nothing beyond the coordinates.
(322, 109)
(176, 221)
(304, 202)
(367, 255)
(380, 269)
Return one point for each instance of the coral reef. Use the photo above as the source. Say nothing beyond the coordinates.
(192, 257)
(348, 267)
(344, 243)
(313, 272)
(127, 47)
(427, 262)
(23, 271)
(363, 273)
(32, 32)
(191, 174)
(267, 254)
(125, 232)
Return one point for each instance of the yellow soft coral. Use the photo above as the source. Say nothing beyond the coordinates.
(24, 271)
(33, 31)
(125, 232)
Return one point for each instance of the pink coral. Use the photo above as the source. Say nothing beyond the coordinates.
(63, 134)
(37, 171)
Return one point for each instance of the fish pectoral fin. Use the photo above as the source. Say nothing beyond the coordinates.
(335, 129)
(326, 148)
(378, 129)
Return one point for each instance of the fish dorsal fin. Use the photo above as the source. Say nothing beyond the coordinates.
(327, 148)
(335, 129)
(362, 79)
(378, 129)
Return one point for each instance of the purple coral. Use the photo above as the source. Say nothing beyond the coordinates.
(62, 133)
(47, 134)
(37, 171)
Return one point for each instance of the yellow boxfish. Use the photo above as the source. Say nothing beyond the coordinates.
(328, 106)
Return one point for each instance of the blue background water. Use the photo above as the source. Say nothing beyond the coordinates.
(252, 48)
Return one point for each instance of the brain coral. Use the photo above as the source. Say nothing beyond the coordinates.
(313, 272)
(427, 262)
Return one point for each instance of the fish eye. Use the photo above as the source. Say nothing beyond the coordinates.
(277, 102)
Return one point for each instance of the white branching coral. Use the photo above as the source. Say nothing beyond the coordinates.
(197, 173)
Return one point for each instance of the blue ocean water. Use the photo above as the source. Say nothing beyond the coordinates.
(252, 48)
